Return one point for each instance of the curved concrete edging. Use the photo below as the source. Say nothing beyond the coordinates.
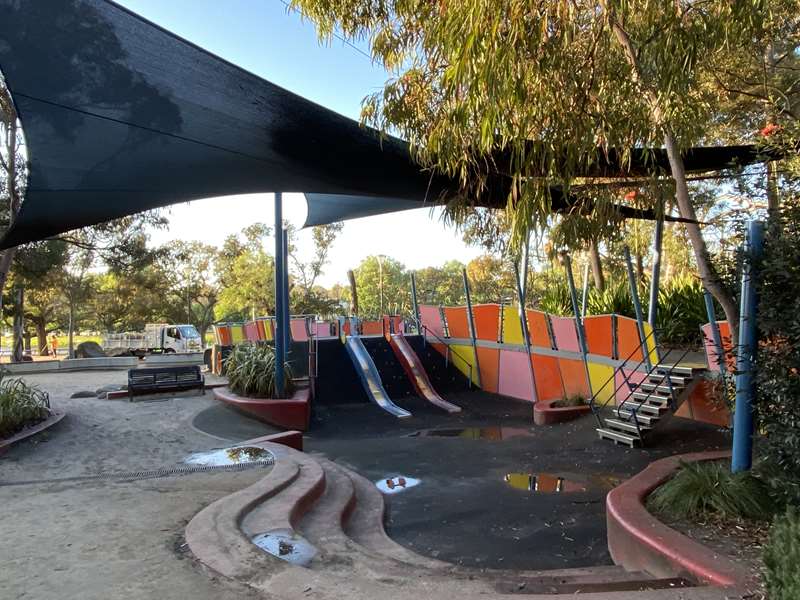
(289, 413)
(639, 541)
(55, 417)
(544, 413)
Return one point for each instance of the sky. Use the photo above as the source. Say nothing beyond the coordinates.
(266, 38)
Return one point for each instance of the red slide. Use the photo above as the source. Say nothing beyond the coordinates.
(416, 373)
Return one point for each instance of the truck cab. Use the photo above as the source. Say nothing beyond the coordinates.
(180, 338)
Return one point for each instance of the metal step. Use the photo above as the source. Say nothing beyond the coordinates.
(650, 399)
(627, 415)
(643, 408)
(661, 378)
(661, 389)
(626, 426)
(674, 370)
(617, 436)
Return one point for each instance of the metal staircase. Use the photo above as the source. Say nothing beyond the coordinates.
(647, 402)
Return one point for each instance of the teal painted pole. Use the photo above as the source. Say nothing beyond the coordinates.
(652, 308)
(748, 336)
(414, 301)
(637, 306)
(471, 322)
(523, 321)
(280, 315)
(715, 335)
(578, 321)
(585, 292)
(286, 305)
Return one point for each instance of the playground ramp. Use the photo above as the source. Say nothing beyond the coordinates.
(416, 373)
(370, 379)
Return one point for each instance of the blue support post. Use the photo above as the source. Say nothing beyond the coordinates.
(715, 335)
(287, 339)
(652, 308)
(523, 321)
(585, 292)
(748, 334)
(578, 321)
(280, 316)
(414, 301)
(471, 322)
(637, 306)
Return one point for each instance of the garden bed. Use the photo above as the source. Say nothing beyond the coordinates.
(30, 430)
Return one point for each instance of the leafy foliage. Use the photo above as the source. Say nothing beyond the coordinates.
(615, 298)
(707, 488)
(250, 369)
(681, 311)
(21, 404)
(782, 557)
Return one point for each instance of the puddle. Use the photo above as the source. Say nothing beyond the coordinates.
(555, 483)
(395, 485)
(477, 433)
(228, 456)
(286, 545)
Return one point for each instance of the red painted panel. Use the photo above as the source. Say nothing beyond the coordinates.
(628, 339)
(298, 330)
(573, 373)
(705, 404)
(371, 327)
(710, 347)
(457, 323)
(548, 377)
(538, 330)
(489, 365)
(565, 333)
(431, 318)
(599, 335)
(487, 321)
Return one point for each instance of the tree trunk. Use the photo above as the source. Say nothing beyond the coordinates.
(639, 267)
(773, 199)
(28, 340)
(18, 350)
(597, 266)
(41, 337)
(71, 329)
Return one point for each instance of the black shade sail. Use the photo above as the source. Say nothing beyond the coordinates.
(121, 116)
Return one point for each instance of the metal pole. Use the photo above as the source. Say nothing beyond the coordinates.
(743, 414)
(471, 323)
(286, 307)
(578, 322)
(715, 335)
(280, 315)
(523, 288)
(526, 336)
(652, 309)
(585, 292)
(637, 306)
(414, 300)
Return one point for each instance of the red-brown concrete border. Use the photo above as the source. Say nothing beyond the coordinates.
(544, 413)
(639, 541)
(292, 439)
(55, 417)
(289, 413)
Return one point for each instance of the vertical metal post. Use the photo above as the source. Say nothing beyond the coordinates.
(652, 309)
(523, 287)
(471, 323)
(414, 302)
(578, 322)
(585, 292)
(637, 306)
(287, 337)
(523, 321)
(280, 314)
(743, 414)
(715, 334)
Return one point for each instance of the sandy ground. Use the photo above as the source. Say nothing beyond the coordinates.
(103, 539)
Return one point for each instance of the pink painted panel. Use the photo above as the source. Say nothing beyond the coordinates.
(515, 376)
(565, 333)
(710, 348)
(298, 329)
(251, 331)
(619, 382)
(324, 329)
(431, 318)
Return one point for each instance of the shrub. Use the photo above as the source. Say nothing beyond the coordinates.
(681, 311)
(615, 298)
(709, 488)
(250, 369)
(782, 557)
(569, 401)
(21, 404)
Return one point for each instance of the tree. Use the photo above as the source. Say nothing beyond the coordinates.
(536, 91)
(307, 296)
(192, 282)
(491, 279)
(441, 285)
(245, 274)
(383, 287)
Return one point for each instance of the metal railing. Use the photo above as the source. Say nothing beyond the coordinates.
(424, 329)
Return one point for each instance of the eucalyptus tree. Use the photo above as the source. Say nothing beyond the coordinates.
(538, 90)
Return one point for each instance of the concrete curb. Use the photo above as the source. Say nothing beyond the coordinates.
(55, 417)
(639, 541)
(544, 413)
(289, 413)
(71, 364)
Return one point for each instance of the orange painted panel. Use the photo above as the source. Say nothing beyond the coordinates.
(704, 405)
(457, 323)
(431, 318)
(538, 330)
(487, 321)
(573, 373)
(371, 327)
(628, 339)
(598, 335)
(548, 377)
(489, 364)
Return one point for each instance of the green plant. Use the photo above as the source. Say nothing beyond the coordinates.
(568, 401)
(681, 311)
(555, 299)
(21, 404)
(782, 557)
(615, 298)
(708, 488)
(250, 369)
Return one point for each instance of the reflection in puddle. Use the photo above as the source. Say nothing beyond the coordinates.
(549, 483)
(394, 485)
(286, 545)
(228, 456)
(477, 433)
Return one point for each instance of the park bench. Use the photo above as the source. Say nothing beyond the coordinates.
(164, 379)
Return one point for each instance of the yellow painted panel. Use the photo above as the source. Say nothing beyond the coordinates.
(598, 376)
(651, 343)
(512, 329)
(463, 356)
(237, 333)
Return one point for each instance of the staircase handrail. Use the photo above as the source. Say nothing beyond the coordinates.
(424, 329)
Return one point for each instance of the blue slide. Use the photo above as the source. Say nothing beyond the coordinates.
(370, 378)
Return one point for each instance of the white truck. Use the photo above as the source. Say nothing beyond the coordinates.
(157, 338)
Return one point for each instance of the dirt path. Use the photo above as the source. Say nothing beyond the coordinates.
(104, 539)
